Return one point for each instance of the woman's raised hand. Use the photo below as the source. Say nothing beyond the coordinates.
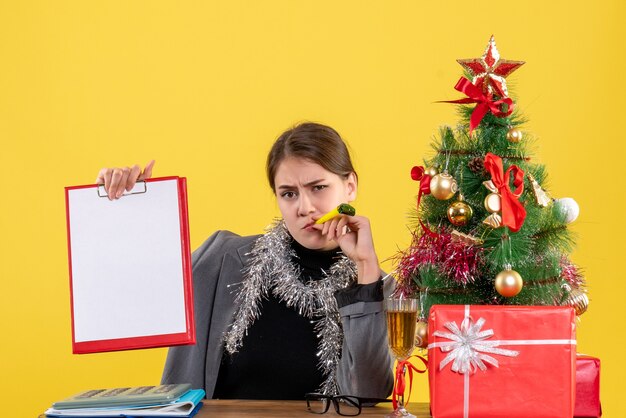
(119, 179)
(354, 236)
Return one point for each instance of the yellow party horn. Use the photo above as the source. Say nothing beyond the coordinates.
(343, 209)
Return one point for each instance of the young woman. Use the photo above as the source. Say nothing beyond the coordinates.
(297, 309)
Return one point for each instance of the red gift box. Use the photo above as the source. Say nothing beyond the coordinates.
(501, 361)
(587, 387)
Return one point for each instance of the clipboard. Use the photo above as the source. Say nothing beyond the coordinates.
(130, 267)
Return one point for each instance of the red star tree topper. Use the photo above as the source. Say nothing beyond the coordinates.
(490, 71)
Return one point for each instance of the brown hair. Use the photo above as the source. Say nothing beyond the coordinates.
(314, 142)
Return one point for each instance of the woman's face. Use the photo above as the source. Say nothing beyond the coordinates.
(305, 191)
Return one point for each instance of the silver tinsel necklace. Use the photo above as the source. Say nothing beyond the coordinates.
(270, 269)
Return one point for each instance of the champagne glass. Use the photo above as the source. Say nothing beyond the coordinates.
(401, 325)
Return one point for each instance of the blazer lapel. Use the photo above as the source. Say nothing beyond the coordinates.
(223, 310)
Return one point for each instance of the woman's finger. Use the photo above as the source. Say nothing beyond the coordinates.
(337, 228)
(135, 171)
(330, 229)
(115, 182)
(147, 171)
(104, 177)
(123, 180)
(325, 227)
(102, 174)
(342, 226)
(121, 183)
(356, 223)
(116, 174)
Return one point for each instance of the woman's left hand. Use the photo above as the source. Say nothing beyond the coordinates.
(354, 236)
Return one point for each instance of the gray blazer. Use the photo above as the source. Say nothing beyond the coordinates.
(365, 365)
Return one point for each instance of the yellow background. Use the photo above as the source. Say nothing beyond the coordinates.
(205, 87)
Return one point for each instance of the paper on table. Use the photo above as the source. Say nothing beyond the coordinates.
(182, 407)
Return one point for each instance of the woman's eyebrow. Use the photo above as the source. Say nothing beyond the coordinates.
(308, 184)
(314, 182)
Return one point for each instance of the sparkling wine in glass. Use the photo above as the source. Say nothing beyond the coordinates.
(401, 325)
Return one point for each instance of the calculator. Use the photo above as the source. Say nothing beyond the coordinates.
(126, 396)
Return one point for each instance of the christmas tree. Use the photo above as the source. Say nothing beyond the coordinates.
(485, 230)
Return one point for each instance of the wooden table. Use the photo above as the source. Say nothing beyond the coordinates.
(290, 409)
(287, 409)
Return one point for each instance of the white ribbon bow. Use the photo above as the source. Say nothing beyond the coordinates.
(467, 345)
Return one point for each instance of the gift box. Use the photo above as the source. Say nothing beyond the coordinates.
(501, 361)
(587, 387)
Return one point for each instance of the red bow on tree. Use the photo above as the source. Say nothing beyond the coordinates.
(513, 212)
(418, 174)
(485, 102)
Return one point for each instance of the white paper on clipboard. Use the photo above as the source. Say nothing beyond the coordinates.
(130, 269)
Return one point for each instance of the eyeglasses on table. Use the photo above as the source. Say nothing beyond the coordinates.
(346, 405)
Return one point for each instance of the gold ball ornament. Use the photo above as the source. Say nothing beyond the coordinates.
(443, 186)
(459, 213)
(421, 334)
(431, 171)
(579, 300)
(493, 203)
(509, 283)
(514, 135)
